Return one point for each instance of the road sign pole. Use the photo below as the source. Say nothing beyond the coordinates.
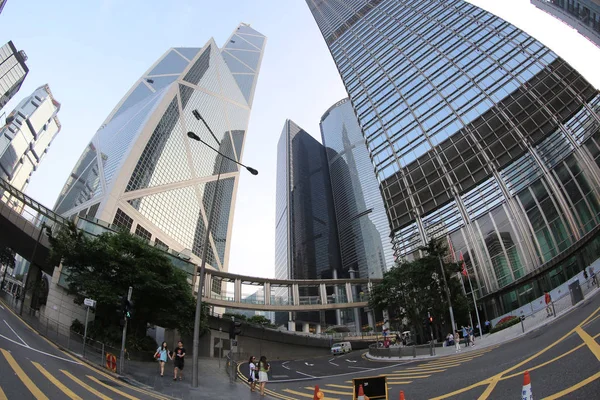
(124, 334)
(87, 314)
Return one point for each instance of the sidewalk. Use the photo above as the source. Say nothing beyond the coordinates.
(213, 384)
(532, 322)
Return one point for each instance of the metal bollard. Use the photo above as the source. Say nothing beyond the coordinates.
(414, 351)
(553, 310)
(522, 325)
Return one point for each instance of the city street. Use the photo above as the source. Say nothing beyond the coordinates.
(563, 359)
(32, 368)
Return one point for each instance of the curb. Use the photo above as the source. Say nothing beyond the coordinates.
(520, 335)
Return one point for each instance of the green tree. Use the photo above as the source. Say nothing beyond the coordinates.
(103, 268)
(237, 316)
(260, 320)
(7, 257)
(411, 289)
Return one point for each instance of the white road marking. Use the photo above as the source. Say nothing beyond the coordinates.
(41, 352)
(310, 365)
(13, 331)
(332, 363)
(352, 361)
(285, 366)
(302, 373)
(2, 307)
(359, 367)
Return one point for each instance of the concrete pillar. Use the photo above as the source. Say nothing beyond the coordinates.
(296, 294)
(292, 326)
(305, 327)
(237, 290)
(267, 289)
(371, 319)
(323, 293)
(336, 293)
(352, 296)
(318, 329)
(208, 285)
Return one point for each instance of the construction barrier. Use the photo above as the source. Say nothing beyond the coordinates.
(111, 362)
(318, 395)
(526, 393)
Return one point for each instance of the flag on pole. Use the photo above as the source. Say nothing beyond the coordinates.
(463, 268)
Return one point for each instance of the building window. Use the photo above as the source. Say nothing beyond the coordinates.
(160, 244)
(122, 220)
(93, 210)
(143, 233)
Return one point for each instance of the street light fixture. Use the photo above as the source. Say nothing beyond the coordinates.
(253, 171)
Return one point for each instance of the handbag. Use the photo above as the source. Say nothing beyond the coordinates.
(156, 355)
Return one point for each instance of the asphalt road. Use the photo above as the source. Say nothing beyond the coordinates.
(563, 359)
(32, 368)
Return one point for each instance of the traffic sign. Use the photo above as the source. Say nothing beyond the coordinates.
(89, 303)
(234, 343)
(111, 362)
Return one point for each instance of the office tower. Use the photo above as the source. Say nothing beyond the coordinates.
(2, 4)
(362, 224)
(13, 71)
(142, 173)
(479, 135)
(581, 15)
(306, 241)
(27, 135)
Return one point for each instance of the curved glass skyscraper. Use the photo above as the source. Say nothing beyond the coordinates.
(140, 171)
(479, 135)
(362, 225)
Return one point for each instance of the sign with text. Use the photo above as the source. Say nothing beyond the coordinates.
(89, 303)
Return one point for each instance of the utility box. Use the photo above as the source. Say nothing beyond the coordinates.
(576, 293)
(374, 387)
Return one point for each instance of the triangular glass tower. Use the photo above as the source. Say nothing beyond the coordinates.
(140, 172)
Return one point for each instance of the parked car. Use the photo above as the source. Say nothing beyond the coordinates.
(341, 348)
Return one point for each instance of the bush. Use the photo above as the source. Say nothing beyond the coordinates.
(504, 323)
(77, 326)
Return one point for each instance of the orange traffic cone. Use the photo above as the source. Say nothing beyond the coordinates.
(401, 395)
(361, 393)
(318, 395)
(526, 393)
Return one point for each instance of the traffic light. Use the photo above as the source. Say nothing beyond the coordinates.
(129, 309)
(235, 328)
(125, 308)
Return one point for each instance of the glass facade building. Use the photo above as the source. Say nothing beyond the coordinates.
(27, 135)
(582, 15)
(306, 239)
(13, 71)
(141, 172)
(364, 233)
(479, 135)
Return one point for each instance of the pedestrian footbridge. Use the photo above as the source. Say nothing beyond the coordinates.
(223, 289)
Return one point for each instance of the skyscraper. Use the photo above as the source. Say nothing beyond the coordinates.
(141, 172)
(306, 240)
(29, 131)
(13, 71)
(2, 4)
(479, 135)
(362, 224)
(581, 15)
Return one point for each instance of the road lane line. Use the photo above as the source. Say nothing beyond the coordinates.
(400, 376)
(333, 362)
(329, 391)
(493, 379)
(490, 388)
(285, 366)
(2, 395)
(84, 385)
(39, 351)
(308, 396)
(359, 367)
(74, 360)
(35, 391)
(13, 331)
(339, 386)
(2, 307)
(574, 387)
(589, 341)
(399, 383)
(117, 391)
(424, 370)
(56, 382)
(302, 373)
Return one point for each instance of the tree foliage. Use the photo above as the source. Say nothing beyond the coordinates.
(411, 289)
(7, 257)
(260, 320)
(103, 268)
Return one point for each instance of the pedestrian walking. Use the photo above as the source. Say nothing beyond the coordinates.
(465, 334)
(161, 356)
(253, 373)
(178, 358)
(586, 277)
(593, 276)
(487, 326)
(471, 335)
(548, 300)
(263, 376)
(457, 341)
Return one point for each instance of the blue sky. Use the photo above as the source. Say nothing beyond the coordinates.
(90, 53)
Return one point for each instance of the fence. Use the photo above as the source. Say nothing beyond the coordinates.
(399, 351)
(63, 336)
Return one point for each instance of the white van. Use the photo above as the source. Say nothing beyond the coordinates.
(341, 348)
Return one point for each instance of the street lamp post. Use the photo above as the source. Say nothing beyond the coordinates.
(253, 171)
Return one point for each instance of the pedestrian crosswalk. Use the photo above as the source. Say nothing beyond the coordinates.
(57, 381)
(342, 389)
